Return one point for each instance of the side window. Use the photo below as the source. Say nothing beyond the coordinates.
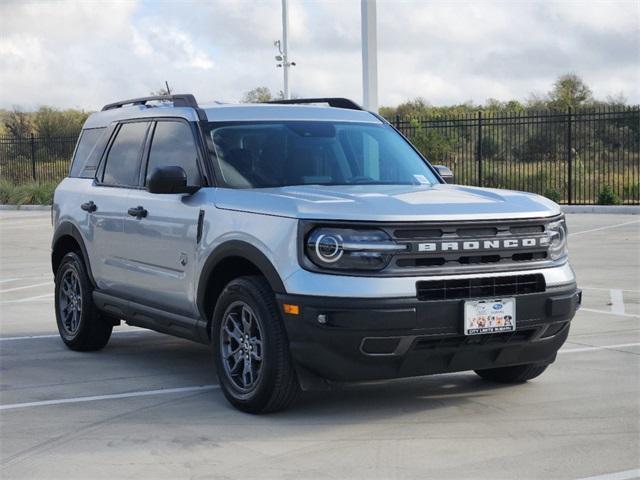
(123, 160)
(85, 158)
(173, 145)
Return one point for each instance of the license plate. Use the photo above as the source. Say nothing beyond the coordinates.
(489, 316)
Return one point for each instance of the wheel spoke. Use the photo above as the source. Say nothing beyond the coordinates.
(247, 373)
(239, 359)
(232, 353)
(256, 351)
(233, 333)
(246, 321)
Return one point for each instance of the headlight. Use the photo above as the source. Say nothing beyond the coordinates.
(350, 249)
(557, 232)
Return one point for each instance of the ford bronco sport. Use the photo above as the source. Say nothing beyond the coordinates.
(305, 245)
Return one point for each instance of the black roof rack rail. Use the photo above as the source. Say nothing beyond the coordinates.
(179, 100)
(336, 102)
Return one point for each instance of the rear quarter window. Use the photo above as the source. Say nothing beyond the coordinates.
(86, 157)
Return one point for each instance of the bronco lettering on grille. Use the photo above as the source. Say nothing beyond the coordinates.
(479, 245)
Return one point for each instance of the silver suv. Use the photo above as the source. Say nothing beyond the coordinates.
(306, 245)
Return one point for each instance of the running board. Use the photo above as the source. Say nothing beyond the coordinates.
(148, 317)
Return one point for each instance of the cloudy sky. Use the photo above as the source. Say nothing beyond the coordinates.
(87, 53)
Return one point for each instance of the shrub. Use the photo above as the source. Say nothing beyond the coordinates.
(608, 197)
(553, 194)
(27, 194)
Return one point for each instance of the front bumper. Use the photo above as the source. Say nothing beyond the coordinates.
(343, 339)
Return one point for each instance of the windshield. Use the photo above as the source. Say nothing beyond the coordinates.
(278, 154)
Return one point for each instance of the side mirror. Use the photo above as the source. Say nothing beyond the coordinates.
(444, 172)
(172, 179)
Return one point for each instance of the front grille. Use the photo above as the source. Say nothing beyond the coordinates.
(478, 340)
(469, 246)
(452, 289)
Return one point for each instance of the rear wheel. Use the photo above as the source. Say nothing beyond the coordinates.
(516, 374)
(80, 325)
(251, 349)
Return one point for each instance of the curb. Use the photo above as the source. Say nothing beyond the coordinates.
(26, 207)
(610, 209)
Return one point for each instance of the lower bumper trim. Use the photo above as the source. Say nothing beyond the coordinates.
(369, 339)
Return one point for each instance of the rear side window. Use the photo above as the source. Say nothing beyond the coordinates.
(86, 157)
(173, 145)
(123, 160)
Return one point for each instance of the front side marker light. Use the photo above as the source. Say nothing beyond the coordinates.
(291, 309)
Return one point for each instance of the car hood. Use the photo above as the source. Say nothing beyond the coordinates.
(387, 202)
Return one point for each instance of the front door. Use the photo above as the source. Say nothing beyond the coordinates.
(162, 238)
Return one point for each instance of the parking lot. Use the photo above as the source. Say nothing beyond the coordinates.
(147, 406)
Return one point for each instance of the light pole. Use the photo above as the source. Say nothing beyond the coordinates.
(283, 48)
(369, 55)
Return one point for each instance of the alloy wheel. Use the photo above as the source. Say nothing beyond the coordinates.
(70, 302)
(241, 346)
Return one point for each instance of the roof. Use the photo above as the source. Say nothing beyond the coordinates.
(264, 111)
(227, 112)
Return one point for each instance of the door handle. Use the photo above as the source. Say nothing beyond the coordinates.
(138, 212)
(89, 206)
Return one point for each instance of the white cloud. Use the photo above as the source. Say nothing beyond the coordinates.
(84, 53)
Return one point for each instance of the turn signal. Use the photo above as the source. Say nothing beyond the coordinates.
(291, 309)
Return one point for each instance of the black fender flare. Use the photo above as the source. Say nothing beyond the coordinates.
(242, 249)
(68, 229)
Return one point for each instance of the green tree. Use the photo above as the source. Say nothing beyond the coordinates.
(257, 95)
(432, 144)
(569, 90)
(49, 122)
(18, 124)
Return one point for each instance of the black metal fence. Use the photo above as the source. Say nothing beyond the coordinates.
(33, 158)
(576, 157)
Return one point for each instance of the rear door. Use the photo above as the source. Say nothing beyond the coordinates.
(117, 176)
(161, 245)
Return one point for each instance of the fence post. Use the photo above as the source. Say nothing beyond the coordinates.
(479, 149)
(569, 158)
(33, 158)
(397, 122)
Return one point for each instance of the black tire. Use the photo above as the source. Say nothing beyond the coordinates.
(275, 383)
(516, 374)
(81, 328)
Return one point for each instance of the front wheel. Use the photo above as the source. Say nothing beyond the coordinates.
(516, 374)
(250, 348)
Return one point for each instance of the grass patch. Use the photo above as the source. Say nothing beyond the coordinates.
(26, 194)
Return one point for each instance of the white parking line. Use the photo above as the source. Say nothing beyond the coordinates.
(55, 335)
(17, 279)
(617, 302)
(603, 347)
(604, 228)
(28, 337)
(593, 310)
(626, 475)
(144, 393)
(28, 299)
(607, 289)
(26, 286)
